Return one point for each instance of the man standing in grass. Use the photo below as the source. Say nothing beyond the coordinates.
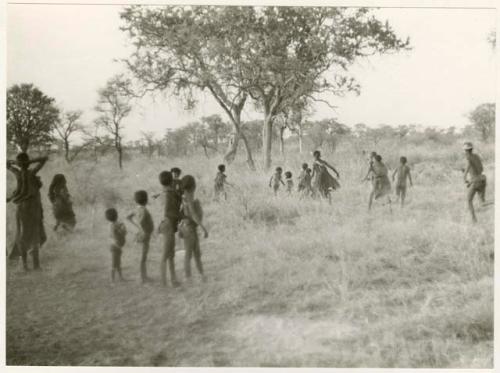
(476, 183)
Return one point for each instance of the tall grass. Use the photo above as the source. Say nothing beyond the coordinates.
(291, 282)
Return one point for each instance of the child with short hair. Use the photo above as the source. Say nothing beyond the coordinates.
(176, 174)
(289, 182)
(220, 181)
(168, 226)
(192, 218)
(118, 232)
(403, 173)
(142, 219)
(276, 179)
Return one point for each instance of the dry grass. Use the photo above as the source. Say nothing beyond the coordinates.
(291, 283)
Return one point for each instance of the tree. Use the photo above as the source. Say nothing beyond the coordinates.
(182, 48)
(483, 120)
(113, 105)
(217, 129)
(284, 54)
(327, 131)
(31, 116)
(65, 128)
(150, 142)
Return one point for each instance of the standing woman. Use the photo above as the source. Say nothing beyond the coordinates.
(322, 180)
(30, 232)
(61, 203)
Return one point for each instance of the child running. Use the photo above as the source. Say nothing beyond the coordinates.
(219, 182)
(142, 219)
(193, 215)
(168, 227)
(117, 236)
(289, 182)
(61, 203)
(403, 173)
(276, 179)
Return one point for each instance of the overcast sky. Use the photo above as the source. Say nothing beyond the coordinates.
(69, 52)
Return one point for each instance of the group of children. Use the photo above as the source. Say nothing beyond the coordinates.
(304, 185)
(182, 215)
(324, 182)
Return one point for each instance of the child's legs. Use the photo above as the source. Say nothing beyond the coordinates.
(370, 201)
(24, 256)
(188, 249)
(35, 256)
(471, 192)
(482, 191)
(197, 252)
(144, 257)
(168, 252)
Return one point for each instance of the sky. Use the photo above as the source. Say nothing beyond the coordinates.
(70, 51)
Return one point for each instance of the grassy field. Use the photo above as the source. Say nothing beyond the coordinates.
(290, 283)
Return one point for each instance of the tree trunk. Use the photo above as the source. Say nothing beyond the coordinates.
(66, 151)
(282, 141)
(267, 141)
(300, 134)
(232, 148)
(120, 153)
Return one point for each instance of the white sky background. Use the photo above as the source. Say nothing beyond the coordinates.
(68, 52)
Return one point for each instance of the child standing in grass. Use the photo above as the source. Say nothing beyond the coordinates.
(142, 219)
(192, 218)
(117, 236)
(168, 227)
(276, 179)
(176, 174)
(220, 181)
(289, 182)
(403, 173)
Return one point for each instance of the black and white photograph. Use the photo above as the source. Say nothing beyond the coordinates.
(255, 185)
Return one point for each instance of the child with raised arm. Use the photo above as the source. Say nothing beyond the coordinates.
(168, 227)
(192, 218)
(289, 182)
(117, 241)
(402, 173)
(276, 179)
(142, 219)
(220, 182)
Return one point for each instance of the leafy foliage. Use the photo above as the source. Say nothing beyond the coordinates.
(31, 116)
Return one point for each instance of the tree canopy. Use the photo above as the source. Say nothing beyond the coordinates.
(31, 116)
(274, 55)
